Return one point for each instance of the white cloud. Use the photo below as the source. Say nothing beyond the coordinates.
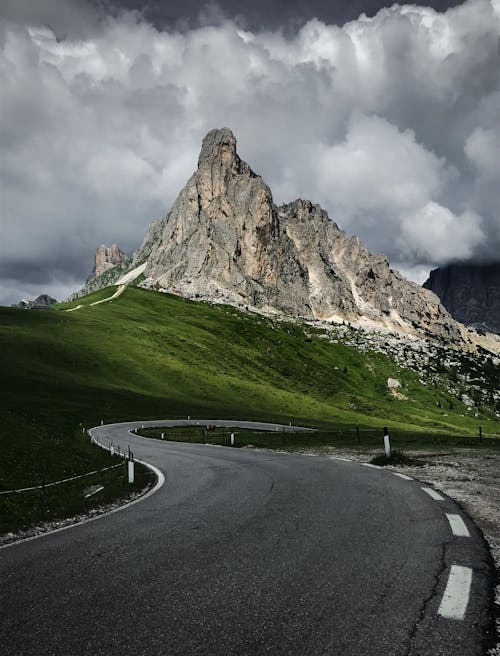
(483, 149)
(390, 169)
(387, 121)
(435, 234)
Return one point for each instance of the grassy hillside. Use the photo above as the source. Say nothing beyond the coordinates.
(149, 355)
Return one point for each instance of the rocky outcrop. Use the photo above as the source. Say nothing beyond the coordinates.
(109, 266)
(106, 258)
(470, 292)
(225, 239)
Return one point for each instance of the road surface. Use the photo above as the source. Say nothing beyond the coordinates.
(251, 553)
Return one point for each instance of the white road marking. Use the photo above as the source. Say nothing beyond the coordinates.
(369, 464)
(456, 595)
(432, 493)
(339, 458)
(458, 526)
(404, 476)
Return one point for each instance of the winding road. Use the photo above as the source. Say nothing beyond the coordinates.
(250, 553)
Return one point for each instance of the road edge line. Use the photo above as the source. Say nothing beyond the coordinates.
(456, 595)
(457, 525)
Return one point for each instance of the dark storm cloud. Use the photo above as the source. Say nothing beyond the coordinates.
(261, 14)
(390, 122)
(65, 17)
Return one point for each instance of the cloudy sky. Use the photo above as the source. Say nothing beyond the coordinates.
(390, 119)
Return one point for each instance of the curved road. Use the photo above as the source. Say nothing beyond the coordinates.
(250, 553)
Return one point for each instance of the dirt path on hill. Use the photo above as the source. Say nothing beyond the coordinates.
(118, 292)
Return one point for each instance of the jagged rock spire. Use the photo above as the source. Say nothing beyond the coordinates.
(224, 239)
(218, 143)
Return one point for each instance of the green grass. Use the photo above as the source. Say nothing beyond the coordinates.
(147, 355)
(21, 510)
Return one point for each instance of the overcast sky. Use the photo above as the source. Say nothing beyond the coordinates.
(390, 121)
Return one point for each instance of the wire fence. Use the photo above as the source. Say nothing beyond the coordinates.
(351, 437)
(63, 480)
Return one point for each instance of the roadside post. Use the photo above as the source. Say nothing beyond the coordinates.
(387, 442)
(163, 436)
(130, 466)
(232, 439)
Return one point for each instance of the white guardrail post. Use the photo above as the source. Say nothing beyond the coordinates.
(130, 466)
(387, 442)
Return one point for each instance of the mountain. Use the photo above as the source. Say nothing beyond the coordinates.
(42, 302)
(225, 240)
(470, 292)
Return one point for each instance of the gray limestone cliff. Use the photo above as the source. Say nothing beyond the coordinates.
(470, 292)
(110, 264)
(224, 239)
(106, 258)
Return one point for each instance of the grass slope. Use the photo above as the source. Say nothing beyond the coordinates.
(150, 355)
(147, 354)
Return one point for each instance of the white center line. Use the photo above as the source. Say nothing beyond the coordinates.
(458, 526)
(432, 493)
(406, 478)
(456, 596)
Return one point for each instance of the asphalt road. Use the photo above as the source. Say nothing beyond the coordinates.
(248, 553)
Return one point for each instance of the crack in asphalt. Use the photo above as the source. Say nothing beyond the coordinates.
(423, 608)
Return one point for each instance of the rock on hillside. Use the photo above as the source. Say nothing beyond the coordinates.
(470, 292)
(225, 240)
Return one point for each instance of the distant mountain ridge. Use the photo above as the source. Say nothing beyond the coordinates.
(225, 240)
(470, 293)
(42, 302)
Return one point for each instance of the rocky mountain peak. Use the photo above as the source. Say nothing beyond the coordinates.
(470, 292)
(42, 302)
(219, 143)
(225, 240)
